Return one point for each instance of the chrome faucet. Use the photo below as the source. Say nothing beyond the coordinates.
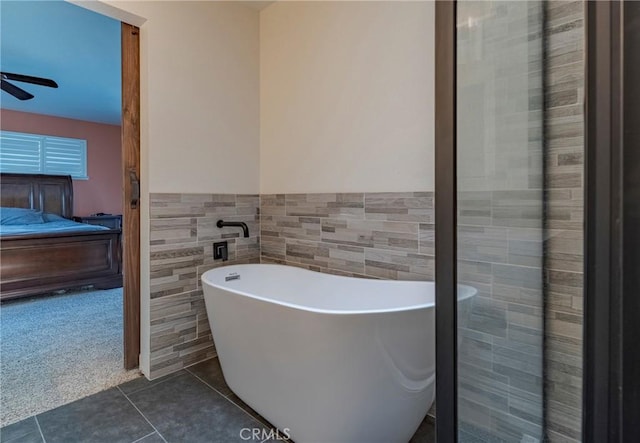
(243, 225)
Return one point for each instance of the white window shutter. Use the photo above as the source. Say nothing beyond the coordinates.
(65, 156)
(33, 154)
(20, 153)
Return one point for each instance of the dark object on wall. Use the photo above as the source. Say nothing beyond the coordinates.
(135, 188)
(34, 264)
(245, 229)
(221, 251)
(20, 93)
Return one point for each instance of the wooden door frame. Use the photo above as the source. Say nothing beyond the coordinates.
(131, 192)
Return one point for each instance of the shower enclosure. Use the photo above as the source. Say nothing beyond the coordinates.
(510, 156)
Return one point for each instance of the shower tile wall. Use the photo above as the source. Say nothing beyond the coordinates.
(500, 372)
(181, 240)
(375, 235)
(564, 248)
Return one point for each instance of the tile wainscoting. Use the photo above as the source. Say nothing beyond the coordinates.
(375, 235)
(183, 229)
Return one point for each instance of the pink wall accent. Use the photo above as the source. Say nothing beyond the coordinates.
(103, 191)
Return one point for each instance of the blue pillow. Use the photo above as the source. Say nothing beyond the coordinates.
(20, 216)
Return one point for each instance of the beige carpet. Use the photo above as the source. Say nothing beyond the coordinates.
(57, 349)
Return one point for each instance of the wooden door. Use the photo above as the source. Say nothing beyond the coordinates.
(131, 189)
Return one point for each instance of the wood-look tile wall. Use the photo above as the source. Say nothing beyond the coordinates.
(375, 235)
(564, 72)
(183, 229)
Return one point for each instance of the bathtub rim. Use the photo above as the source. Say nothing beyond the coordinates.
(469, 291)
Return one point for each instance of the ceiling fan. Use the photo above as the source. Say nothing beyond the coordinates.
(20, 93)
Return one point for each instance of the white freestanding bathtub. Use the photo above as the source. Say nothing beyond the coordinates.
(326, 359)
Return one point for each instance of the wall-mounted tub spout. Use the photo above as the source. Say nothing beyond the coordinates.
(243, 225)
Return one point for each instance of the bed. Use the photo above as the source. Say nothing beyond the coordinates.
(41, 249)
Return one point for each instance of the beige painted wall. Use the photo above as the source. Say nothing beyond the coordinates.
(200, 81)
(346, 97)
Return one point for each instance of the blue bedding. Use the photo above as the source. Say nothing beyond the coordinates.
(17, 221)
(50, 228)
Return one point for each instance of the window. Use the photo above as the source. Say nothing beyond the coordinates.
(43, 154)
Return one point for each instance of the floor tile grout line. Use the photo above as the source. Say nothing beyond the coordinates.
(246, 412)
(228, 399)
(35, 417)
(143, 437)
(206, 383)
(143, 416)
(153, 384)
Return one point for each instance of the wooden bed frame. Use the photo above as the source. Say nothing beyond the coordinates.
(34, 264)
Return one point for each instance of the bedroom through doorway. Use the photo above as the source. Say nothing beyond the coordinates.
(62, 318)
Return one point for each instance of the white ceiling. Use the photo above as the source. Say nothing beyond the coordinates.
(77, 48)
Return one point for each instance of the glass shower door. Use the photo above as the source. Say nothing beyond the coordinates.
(500, 220)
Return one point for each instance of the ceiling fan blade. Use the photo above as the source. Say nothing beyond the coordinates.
(29, 79)
(18, 93)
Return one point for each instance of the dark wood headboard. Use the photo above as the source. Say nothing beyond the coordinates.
(48, 193)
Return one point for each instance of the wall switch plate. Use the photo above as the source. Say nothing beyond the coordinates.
(221, 251)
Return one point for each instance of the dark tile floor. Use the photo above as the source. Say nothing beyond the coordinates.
(191, 406)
